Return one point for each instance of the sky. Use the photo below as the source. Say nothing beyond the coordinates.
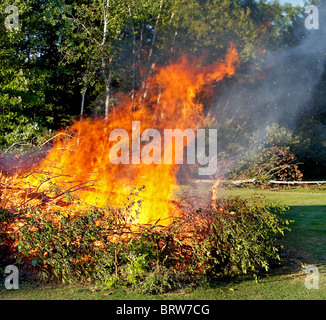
(294, 2)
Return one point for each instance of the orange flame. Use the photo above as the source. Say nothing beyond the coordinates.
(215, 192)
(171, 102)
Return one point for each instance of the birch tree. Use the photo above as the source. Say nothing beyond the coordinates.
(92, 28)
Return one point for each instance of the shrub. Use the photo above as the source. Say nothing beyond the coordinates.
(238, 236)
(69, 248)
(270, 163)
(104, 245)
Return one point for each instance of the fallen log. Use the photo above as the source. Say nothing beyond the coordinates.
(297, 182)
(236, 182)
(239, 182)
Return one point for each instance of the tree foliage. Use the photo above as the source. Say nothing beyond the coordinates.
(71, 55)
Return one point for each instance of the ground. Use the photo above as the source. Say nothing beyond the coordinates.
(303, 246)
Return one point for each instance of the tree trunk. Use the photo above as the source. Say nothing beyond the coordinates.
(108, 81)
(107, 75)
(149, 58)
(155, 31)
(105, 22)
(133, 61)
(82, 103)
(133, 72)
(174, 36)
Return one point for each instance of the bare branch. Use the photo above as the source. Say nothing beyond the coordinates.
(59, 134)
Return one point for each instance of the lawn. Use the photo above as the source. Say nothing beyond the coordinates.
(304, 245)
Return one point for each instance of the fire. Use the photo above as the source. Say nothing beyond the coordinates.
(80, 155)
(214, 192)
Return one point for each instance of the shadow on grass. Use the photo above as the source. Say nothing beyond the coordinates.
(308, 233)
(304, 245)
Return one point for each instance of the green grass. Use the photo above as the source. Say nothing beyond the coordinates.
(304, 245)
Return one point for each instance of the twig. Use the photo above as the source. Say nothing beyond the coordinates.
(20, 142)
(59, 134)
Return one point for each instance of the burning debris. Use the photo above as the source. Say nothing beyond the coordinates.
(80, 162)
(77, 215)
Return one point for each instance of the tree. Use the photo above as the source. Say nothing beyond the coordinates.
(108, 37)
(22, 78)
(36, 94)
(68, 48)
(91, 28)
(254, 26)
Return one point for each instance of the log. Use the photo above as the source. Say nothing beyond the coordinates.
(238, 182)
(297, 182)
